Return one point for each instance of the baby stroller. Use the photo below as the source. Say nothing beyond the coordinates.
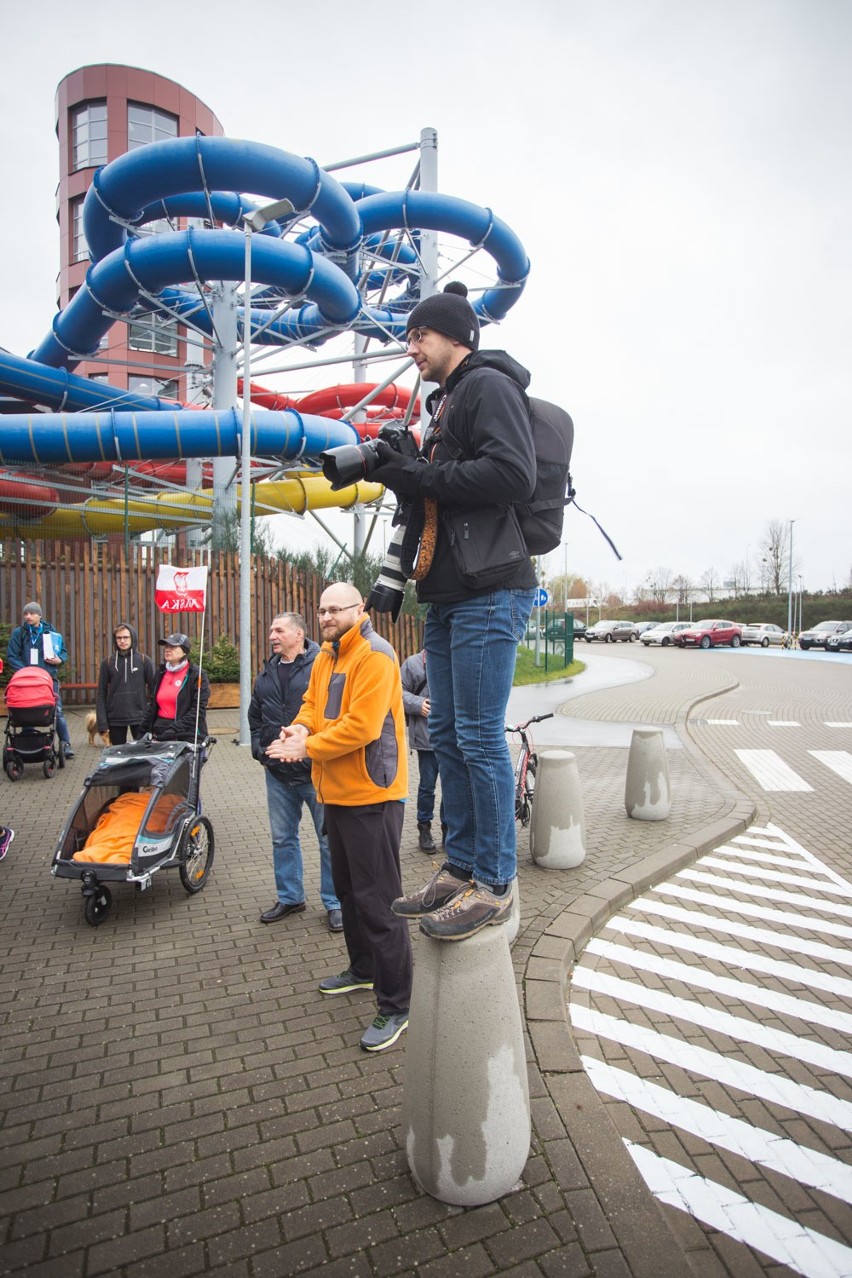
(31, 723)
(139, 812)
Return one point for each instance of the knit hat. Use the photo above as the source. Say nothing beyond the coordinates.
(176, 640)
(33, 607)
(449, 313)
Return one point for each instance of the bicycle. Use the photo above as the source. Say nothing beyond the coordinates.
(525, 768)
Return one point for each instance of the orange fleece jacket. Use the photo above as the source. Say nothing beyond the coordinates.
(355, 720)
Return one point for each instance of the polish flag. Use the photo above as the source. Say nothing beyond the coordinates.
(181, 589)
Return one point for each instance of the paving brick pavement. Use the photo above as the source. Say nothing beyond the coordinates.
(178, 1099)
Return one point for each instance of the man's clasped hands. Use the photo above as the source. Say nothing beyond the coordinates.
(290, 745)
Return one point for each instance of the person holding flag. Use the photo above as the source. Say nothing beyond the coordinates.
(181, 693)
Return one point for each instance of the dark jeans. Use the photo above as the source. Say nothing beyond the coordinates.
(118, 732)
(427, 766)
(364, 843)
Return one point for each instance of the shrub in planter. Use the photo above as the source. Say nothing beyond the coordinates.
(221, 661)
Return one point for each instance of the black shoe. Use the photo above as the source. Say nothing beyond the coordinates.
(280, 911)
(425, 841)
(335, 921)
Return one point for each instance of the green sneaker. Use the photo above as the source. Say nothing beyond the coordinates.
(384, 1031)
(345, 983)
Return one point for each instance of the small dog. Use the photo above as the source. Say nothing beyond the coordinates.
(92, 729)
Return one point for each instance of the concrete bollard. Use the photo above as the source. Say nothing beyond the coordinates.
(513, 925)
(465, 1099)
(647, 792)
(558, 826)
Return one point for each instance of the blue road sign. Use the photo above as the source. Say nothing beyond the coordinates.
(541, 598)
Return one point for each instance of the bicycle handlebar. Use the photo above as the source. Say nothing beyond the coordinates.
(519, 727)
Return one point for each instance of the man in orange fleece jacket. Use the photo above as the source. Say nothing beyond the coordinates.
(352, 728)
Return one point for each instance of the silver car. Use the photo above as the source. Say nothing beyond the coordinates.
(662, 634)
(764, 633)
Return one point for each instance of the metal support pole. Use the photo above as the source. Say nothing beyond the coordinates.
(224, 308)
(790, 585)
(245, 505)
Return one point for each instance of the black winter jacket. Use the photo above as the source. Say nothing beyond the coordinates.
(187, 701)
(486, 414)
(125, 685)
(268, 712)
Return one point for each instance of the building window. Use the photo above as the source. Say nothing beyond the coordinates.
(167, 387)
(146, 124)
(79, 247)
(89, 135)
(98, 377)
(155, 333)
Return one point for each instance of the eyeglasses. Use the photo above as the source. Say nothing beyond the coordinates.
(332, 612)
(416, 335)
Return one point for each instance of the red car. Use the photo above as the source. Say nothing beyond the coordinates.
(709, 634)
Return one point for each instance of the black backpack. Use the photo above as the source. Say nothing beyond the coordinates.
(541, 517)
(553, 439)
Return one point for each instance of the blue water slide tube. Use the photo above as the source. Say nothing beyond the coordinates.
(222, 206)
(57, 388)
(53, 439)
(149, 264)
(123, 188)
(479, 226)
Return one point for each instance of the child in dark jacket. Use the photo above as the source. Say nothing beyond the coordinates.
(125, 687)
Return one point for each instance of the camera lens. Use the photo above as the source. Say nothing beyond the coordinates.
(348, 464)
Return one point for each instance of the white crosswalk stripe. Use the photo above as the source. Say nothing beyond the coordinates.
(840, 761)
(771, 772)
(751, 983)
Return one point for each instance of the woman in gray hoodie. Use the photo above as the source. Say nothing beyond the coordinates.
(125, 687)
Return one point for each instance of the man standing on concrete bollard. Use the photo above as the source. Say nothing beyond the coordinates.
(477, 460)
(276, 700)
(352, 728)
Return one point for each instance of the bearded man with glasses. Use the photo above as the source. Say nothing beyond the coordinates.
(351, 726)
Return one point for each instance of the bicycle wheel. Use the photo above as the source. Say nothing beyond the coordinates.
(197, 855)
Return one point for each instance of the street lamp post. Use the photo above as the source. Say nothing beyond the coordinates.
(790, 584)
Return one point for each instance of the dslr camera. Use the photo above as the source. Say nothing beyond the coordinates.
(351, 463)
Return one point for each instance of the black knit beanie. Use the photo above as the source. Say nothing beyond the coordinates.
(449, 313)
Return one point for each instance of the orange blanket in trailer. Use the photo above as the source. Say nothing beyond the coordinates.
(111, 842)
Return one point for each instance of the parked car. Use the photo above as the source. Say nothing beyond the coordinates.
(764, 633)
(612, 632)
(664, 633)
(646, 625)
(556, 628)
(710, 634)
(840, 642)
(818, 636)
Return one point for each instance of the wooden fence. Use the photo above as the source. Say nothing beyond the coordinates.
(86, 588)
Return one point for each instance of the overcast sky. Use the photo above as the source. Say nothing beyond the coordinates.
(680, 174)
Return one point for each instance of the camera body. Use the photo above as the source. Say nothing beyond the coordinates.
(351, 463)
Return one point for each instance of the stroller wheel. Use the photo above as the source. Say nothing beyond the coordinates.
(14, 768)
(97, 906)
(60, 754)
(49, 765)
(196, 855)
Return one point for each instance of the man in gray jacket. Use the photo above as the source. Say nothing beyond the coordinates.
(277, 698)
(417, 704)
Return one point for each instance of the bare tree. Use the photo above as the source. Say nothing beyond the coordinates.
(683, 588)
(660, 583)
(710, 583)
(775, 551)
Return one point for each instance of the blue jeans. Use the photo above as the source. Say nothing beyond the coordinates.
(61, 724)
(427, 766)
(471, 649)
(285, 811)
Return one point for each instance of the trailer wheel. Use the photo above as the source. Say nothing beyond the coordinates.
(197, 855)
(97, 906)
(49, 766)
(14, 768)
(60, 754)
